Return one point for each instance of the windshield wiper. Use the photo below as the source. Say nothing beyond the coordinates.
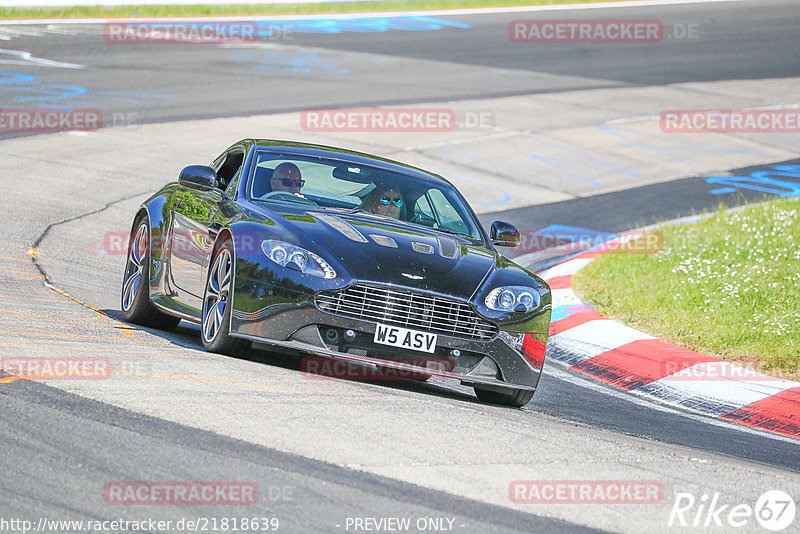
(339, 208)
(453, 232)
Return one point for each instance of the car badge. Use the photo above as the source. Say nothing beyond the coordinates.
(412, 276)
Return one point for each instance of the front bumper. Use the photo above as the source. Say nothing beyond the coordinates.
(286, 317)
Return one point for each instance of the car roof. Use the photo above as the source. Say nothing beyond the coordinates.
(362, 158)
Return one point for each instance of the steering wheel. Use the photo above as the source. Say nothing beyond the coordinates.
(290, 197)
(424, 220)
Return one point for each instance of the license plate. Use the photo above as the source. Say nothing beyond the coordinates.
(405, 338)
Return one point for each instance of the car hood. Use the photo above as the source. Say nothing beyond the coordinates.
(375, 248)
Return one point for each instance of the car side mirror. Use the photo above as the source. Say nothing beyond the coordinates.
(505, 234)
(199, 177)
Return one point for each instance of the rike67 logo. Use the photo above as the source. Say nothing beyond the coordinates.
(774, 510)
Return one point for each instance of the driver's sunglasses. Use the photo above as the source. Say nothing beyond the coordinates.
(397, 201)
(291, 182)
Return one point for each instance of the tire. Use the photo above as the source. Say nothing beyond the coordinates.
(215, 326)
(135, 296)
(516, 398)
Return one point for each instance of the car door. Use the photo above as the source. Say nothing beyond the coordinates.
(194, 226)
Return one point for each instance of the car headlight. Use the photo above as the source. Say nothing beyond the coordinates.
(513, 298)
(299, 259)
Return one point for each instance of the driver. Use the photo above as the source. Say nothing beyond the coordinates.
(286, 177)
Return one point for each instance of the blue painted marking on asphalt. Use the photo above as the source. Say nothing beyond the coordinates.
(309, 62)
(595, 240)
(512, 166)
(24, 89)
(636, 144)
(549, 264)
(565, 310)
(761, 181)
(506, 196)
(562, 232)
(580, 154)
(693, 146)
(550, 161)
(357, 24)
(773, 181)
(667, 150)
(723, 191)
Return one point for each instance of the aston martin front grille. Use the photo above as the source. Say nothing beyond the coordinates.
(411, 309)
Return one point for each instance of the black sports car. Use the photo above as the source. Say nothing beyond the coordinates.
(343, 255)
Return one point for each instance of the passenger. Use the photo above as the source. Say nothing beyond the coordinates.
(386, 201)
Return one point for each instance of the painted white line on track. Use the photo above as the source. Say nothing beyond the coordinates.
(717, 396)
(633, 119)
(470, 140)
(657, 117)
(564, 297)
(20, 57)
(442, 12)
(649, 402)
(593, 338)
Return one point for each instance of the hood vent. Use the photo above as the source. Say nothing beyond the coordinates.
(448, 247)
(344, 227)
(422, 248)
(383, 240)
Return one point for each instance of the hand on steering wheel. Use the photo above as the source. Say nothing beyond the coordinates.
(286, 195)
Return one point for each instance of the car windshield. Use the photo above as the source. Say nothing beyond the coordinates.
(336, 184)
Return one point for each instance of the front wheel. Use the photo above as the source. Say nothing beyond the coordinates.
(135, 301)
(516, 398)
(217, 305)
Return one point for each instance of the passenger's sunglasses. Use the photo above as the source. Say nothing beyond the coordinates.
(291, 182)
(397, 201)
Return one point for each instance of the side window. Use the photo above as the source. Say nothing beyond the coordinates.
(228, 166)
(423, 213)
(423, 206)
(446, 214)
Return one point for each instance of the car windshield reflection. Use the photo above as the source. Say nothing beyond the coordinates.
(356, 188)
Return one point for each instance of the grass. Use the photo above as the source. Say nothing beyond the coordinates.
(728, 287)
(166, 10)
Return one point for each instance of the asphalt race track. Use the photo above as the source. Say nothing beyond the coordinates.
(559, 135)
